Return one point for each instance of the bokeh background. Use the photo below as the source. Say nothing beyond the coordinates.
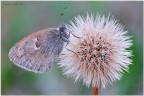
(18, 19)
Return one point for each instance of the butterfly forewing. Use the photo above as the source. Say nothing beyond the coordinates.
(37, 51)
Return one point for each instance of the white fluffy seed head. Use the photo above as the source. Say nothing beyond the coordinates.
(100, 54)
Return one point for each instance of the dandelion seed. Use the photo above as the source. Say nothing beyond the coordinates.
(102, 50)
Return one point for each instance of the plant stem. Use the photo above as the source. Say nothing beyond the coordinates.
(95, 91)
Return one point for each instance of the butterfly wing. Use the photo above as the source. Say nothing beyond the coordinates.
(37, 51)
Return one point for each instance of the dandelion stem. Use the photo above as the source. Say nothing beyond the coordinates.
(95, 91)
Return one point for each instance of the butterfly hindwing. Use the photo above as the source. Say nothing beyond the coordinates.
(37, 51)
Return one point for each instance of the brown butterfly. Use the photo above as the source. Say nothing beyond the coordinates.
(38, 51)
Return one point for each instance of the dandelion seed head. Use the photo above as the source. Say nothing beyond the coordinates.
(102, 50)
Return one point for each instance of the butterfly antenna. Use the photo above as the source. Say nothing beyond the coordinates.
(61, 15)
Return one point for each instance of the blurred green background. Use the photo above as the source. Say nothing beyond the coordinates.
(18, 19)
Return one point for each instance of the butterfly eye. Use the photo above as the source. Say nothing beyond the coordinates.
(62, 28)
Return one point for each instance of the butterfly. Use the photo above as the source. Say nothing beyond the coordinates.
(38, 51)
